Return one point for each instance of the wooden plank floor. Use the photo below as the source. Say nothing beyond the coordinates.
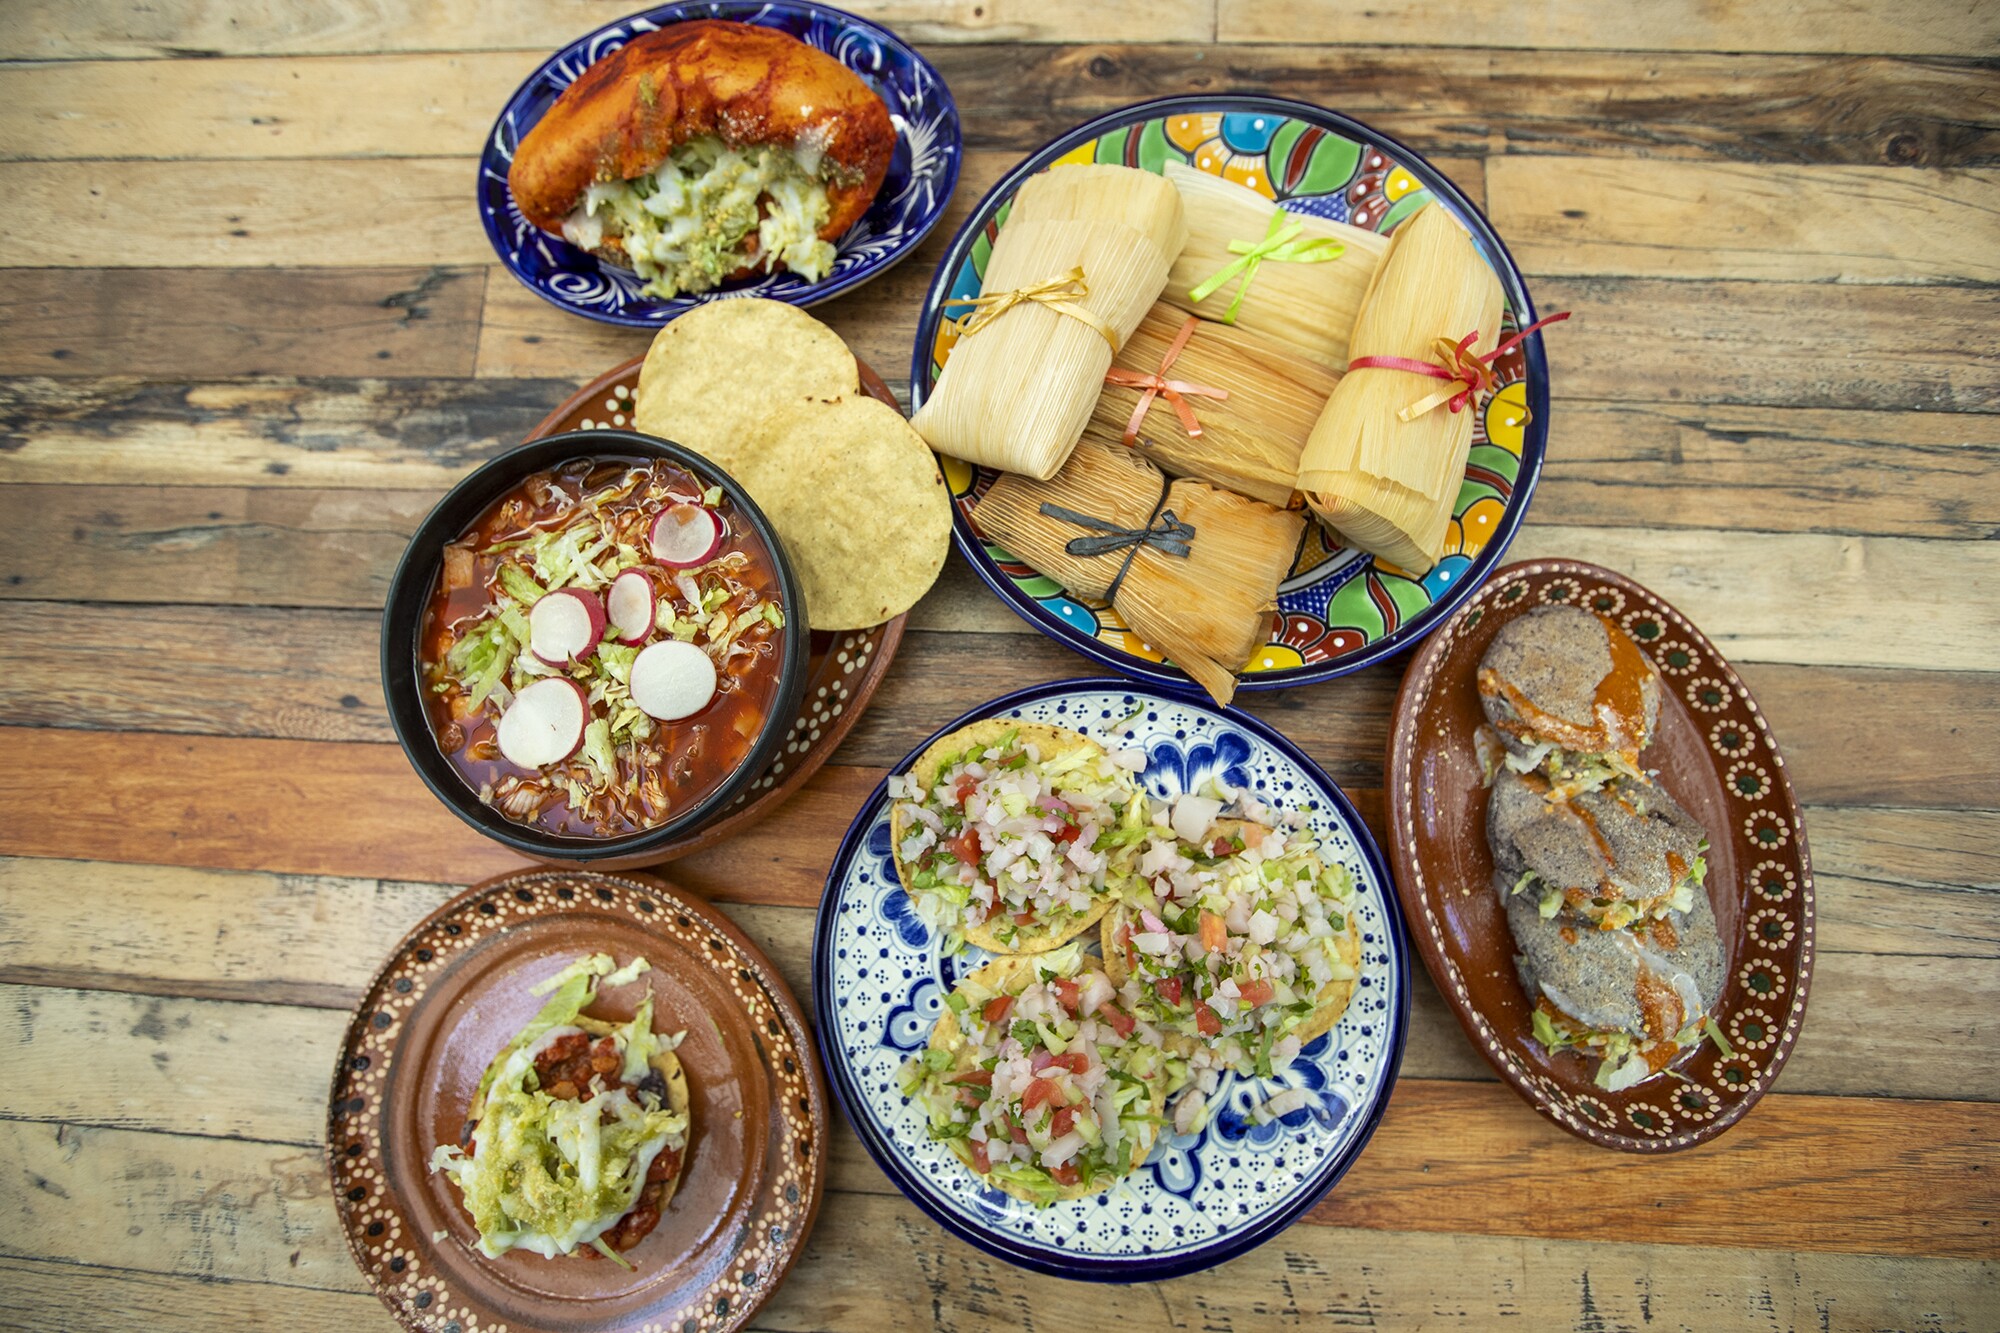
(250, 330)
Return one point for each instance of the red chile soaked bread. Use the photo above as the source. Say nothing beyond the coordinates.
(744, 84)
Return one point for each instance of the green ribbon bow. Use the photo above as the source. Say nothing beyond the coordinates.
(1280, 243)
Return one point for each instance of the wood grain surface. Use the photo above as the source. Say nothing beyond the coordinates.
(250, 330)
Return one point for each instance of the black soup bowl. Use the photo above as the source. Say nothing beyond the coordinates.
(417, 578)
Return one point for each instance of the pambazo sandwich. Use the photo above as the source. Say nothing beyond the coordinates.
(704, 151)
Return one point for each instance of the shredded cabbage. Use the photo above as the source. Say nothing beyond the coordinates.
(708, 210)
(547, 1174)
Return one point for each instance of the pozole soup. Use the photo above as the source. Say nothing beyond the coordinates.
(603, 647)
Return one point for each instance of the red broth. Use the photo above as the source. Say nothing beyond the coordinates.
(672, 765)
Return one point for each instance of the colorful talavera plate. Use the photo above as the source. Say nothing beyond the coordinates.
(844, 668)
(880, 978)
(1340, 609)
(1714, 753)
(456, 990)
(921, 175)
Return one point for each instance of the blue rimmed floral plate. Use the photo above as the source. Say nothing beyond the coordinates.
(1339, 610)
(921, 175)
(880, 978)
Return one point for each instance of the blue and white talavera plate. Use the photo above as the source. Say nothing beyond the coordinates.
(880, 978)
(912, 199)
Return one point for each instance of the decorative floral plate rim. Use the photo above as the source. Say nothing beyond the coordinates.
(1459, 581)
(400, 1261)
(912, 201)
(844, 667)
(1769, 953)
(1385, 963)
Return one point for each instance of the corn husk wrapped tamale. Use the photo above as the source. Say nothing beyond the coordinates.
(1106, 481)
(1309, 307)
(1387, 485)
(1017, 389)
(1201, 591)
(1250, 441)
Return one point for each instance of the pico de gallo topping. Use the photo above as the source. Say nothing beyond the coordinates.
(1052, 1084)
(1008, 837)
(1233, 926)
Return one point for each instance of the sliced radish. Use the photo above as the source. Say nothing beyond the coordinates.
(630, 606)
(544, 725)
(685, 536)
(565, 626)
(672, 680)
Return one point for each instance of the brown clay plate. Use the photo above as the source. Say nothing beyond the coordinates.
(843, 669)
(1715, 754)
(457, 989)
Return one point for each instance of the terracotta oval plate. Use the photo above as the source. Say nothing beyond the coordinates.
(843, 670)
(880, 976)
(457, 989)
(1715, 754)
(1338, 610)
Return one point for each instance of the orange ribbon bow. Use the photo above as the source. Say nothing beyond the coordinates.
(1465, 373)
(1157, 385)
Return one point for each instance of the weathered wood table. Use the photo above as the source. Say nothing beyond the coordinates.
(250, 330)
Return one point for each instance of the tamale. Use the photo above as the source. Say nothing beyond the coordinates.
(1310, 307)
(1385, 484)
(1193, 570)
(1105, 481)
(1021, 381)
(1250, 440)
(1210, 612)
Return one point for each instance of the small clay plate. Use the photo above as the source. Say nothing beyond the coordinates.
(843, 670)
(1715, 754)
(457, 990)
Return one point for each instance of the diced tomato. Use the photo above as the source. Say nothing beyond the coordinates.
(1016, 1130)
(1214, 934)
(1121, 1022)
(980, 1161)
(1039, 1090)
(1066, 832)
(975, 1078)
(996, 1008)
(963, 788)
(1206, 1022)
(1169, 988)
(1064, 1175)
(1023, 918)
(1076, 1062)
(1068, 993)
(1040, 1060)
(1254, 992)
(1125, 938)
(1221, 847)
(965, 846)
(966, 1097)
(993, 908)
(1063, 1123)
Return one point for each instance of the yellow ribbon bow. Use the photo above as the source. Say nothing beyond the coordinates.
(1063, 295)
(1281, 244)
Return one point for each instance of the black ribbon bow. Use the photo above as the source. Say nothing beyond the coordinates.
(1164, 532)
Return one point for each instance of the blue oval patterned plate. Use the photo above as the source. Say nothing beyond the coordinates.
(880, 978)
(1340, 610)
(912, 199)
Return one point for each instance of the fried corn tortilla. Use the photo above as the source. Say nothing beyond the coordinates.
(947, 1036)
(772, 397)
(1052, 742)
